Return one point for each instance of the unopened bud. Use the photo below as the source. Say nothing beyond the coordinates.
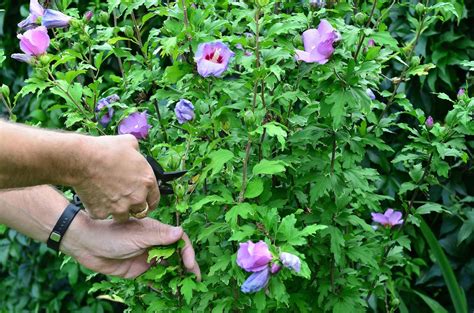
(249, 118)
(129, 31)
(360, 18)
(104, 17)
(429, 122)
(461, 92)
(88, 16)
(420, 8)
(262, 3)
(180, 191)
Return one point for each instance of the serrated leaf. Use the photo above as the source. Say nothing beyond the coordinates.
(187, 287)
(429, 207)
(159, 253)
(242, 209)
(218, 159)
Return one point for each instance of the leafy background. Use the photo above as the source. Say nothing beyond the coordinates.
(372, 171)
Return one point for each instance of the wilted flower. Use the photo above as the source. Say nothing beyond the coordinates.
(55, 19)
(135, 124)
(461, 92)
(291, 261)
(212, 58)
(318, 44)
(371, 94)
(256, 281)
(46, 17)
(33, 43)
(429, 122)
(371, 43)
(276, 267)
(105, 118)
(253, 257)
(184, 111)
(389, 219)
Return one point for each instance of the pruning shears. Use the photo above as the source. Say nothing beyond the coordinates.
(163, 179)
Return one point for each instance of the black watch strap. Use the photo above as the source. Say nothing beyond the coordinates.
(54, 239)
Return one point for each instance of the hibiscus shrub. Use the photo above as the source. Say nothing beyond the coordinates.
(290, 118)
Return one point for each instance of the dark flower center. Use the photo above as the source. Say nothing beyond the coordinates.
(215, 57)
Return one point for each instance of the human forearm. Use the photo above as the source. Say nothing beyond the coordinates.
(34, 212)
(31, 156)
(103, 246)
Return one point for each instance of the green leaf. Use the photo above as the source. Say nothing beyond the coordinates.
(430, 207)
(254, 188)
(260, 300)
(287, 231)
(416, 173)
(187, 287)
(208, 199)
(275, 130)
(433, 304)
(242, 209)
(218, 159)
(160, 252)
(321, 185)
(467, 227)
(337, 242)
(267, 167)
(455, 291)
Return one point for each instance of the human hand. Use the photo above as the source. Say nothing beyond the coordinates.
(117, 179)
(121, 249)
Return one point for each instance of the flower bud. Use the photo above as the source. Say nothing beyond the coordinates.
(104, 17)
(88, 16)
(461, 92)
(129, 31)
(360, 18)
(45, 59)
(415, 61)
(249, 118)
(180, 191)
(262, 3)
(371, 43)
(420, 8)
(5, 91)
(429, 122)
(291, 261)
(275, 268)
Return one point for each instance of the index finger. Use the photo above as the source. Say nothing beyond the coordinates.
(153, 196)
(189, 258)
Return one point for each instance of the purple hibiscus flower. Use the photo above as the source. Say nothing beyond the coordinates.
(184, 111)
(106, 105)
(33, 43)
(135, 124)
(212, 58)
(256, 281)
(318, 44)
(253, 257)
(46, 17)
(290, 261)
(389, 219)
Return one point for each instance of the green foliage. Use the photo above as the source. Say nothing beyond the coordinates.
(295, 154)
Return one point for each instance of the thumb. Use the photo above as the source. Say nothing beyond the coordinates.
(160, 234)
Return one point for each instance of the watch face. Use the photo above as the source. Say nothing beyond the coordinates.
(55, 237)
